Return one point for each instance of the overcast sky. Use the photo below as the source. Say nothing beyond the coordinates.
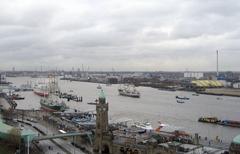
(148, 35)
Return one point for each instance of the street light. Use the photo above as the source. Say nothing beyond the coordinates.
(28, 144)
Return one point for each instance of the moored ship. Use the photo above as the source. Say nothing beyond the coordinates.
(41, 89)
(51, 105)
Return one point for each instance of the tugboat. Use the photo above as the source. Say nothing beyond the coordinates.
(130, 91)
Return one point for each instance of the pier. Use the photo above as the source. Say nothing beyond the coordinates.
(70, 97)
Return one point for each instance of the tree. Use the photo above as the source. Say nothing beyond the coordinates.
(14, 137)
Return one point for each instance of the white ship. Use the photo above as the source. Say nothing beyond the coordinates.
(129, 90)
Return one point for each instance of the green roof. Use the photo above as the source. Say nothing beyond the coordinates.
(236, 139)
(4, 131)
(102, 95)
(28, 133)
(4, 128)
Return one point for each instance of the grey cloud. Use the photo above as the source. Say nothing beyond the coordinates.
(127, 35)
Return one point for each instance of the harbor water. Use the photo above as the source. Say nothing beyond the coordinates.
(154, 105)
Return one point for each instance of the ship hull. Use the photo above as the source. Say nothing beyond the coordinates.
(41, 93)
(51, 108)
(129, 95)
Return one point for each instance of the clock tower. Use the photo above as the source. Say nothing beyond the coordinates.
(101, 122)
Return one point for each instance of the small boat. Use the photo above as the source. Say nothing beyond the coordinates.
(181, 102)
(219, 98)
(184, 98)
(213, 120)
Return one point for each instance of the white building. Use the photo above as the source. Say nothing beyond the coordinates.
(236, 85)
(196, 75)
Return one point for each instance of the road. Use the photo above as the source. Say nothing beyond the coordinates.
(54, 146)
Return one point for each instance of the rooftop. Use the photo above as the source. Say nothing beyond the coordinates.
(102, 95)
(236, 139)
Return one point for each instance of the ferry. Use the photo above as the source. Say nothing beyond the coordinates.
(130, 91)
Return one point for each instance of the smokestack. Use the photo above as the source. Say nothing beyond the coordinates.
(217, 65)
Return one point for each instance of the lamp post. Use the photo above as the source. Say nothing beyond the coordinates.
(28, 144)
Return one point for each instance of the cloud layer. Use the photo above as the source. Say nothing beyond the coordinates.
(148, 35)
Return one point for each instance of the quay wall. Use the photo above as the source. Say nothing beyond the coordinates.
(222, 91)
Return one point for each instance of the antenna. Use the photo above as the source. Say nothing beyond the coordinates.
(217, 65)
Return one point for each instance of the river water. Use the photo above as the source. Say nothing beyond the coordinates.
(154, 105)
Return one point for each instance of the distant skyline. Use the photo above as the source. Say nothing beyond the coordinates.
(135, 35)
